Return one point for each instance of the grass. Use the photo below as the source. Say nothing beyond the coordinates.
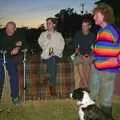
(47, 110)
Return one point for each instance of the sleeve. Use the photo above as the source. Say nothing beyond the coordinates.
(109, 47)
(41, 41)
(60, 47)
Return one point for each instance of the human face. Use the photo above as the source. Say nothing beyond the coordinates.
(99, 18)
(10, 29)
(50, 25)
(85, 27)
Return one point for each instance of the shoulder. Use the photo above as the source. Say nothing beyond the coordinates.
(43, 33)
(112, 31)
(58, 34)
(109, 32)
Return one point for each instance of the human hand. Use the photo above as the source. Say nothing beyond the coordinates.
(19, 43)
(49, 36)
(77, 50)
(15, 51)
(51, 51)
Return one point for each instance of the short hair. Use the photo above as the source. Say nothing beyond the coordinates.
(106, 11)
(52, 19)
(87, 21)
(11, 22)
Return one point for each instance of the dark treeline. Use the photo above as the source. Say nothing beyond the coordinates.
(68, 22)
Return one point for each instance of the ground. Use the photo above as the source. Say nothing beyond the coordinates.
(47, 110)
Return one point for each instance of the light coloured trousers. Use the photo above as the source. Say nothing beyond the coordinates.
(102, 85)
(82, 75)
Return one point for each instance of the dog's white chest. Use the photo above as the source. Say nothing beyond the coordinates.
(81, 114)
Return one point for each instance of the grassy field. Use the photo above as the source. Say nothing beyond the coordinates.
(47, 110)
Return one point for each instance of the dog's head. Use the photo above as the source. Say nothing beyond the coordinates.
(82, 96)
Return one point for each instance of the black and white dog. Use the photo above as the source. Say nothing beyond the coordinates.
(87, 109)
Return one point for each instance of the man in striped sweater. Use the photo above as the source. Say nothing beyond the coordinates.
(106, 57)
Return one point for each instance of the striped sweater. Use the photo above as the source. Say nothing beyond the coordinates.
(107, 46)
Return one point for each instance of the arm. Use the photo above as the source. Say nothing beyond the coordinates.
(42, 41)
(19, 44)
(109, 47)
(60, 47)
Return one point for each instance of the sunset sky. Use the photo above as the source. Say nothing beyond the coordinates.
(32, 13)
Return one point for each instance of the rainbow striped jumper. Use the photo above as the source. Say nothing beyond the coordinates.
(107, 46)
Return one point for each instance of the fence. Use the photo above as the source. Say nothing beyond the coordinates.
(36, 77)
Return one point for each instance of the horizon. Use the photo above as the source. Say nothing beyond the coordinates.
(33, 13)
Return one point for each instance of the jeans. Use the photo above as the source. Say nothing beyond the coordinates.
(52, 69)
(102, 84)
(11, 66)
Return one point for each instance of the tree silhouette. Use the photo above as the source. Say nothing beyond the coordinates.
(68, 22)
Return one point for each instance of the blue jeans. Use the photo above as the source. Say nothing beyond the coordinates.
(11, 66)
(102, 84)
(52, 69)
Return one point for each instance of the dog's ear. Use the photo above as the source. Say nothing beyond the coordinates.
(86, 89)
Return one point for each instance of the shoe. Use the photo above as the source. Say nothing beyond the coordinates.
(107, 110)
(52, 91)
(16, 101)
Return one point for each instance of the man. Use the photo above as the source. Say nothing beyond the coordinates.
(82, 43)
(52, 44)
(106, 60)
(11, 43)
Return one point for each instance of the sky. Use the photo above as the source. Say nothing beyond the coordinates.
(32, 13)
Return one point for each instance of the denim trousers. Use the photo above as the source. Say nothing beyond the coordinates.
(11, 66)
(52, 69)
(102, 85)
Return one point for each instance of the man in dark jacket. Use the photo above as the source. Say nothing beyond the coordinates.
(11, 43)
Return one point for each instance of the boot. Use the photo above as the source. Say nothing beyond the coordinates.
(107, 110)
(52, 90)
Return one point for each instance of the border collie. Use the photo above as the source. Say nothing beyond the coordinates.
(87, 109)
